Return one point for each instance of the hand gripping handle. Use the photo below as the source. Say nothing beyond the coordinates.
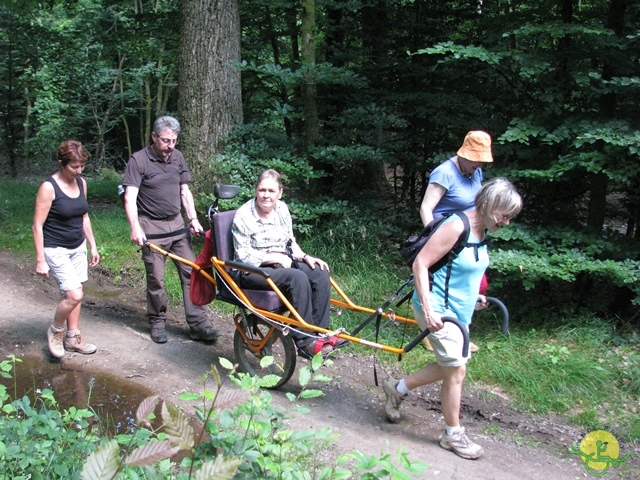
(457, 323)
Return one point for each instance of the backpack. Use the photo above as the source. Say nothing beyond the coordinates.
(414, 244)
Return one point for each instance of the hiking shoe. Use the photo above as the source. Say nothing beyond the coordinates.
(55, 342)
(460, 444)
(158, 334)
(318, 346)
(76, 344)
(393, 401)
(206, 334)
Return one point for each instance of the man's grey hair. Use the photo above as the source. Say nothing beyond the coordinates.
(166, 122)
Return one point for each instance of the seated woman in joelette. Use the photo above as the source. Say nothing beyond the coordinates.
(262, 230)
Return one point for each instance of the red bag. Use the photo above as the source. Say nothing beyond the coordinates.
(203, 290)
(484, 284)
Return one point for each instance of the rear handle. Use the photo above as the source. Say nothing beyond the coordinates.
(457, 323)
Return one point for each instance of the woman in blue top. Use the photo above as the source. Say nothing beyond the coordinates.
(495, 205)
(453, 186)
(61, 231)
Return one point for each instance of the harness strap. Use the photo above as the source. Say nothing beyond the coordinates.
(451, 257)
(154, 236)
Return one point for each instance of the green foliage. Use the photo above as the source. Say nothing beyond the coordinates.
(578, 366)
(17, 202)
(554, 270)
(245, 438)
(39, 441)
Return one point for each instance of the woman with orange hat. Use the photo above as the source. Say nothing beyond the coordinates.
(453, 186)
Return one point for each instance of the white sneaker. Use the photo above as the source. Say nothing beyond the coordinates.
(461, 445)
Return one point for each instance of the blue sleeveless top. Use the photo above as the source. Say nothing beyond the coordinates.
(63, 226)
(464, 283)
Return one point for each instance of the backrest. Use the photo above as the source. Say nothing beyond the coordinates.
(221, 224)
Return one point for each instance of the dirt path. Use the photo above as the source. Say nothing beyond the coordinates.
(517, 446)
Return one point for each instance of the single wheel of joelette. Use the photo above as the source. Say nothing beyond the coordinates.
(254, 339)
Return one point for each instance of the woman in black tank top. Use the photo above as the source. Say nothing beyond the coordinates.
(61, 231)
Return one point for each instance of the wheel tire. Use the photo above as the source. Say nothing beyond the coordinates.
(278, 345)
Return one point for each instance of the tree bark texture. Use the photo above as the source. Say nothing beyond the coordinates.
(210, 95)
(608, 106)
(309, 93)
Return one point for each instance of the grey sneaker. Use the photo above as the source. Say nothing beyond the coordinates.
(76, 344)
(461, 445)
(55, 342)
(394, 400)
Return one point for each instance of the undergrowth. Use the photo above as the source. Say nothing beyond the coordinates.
(237, 434)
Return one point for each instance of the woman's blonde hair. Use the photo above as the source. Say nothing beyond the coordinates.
(500, 195)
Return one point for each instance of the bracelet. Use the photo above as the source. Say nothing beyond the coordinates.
(192, 219)
(304, 257)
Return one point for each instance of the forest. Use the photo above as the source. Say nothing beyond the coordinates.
(355, 102)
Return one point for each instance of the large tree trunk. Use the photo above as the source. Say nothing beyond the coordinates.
(210, 95)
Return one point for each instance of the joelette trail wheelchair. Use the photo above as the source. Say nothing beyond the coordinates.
(265, 317)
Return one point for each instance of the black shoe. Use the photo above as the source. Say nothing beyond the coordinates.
(158, 334)
(206, 334)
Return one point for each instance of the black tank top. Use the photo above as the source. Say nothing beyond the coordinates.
(63, 226)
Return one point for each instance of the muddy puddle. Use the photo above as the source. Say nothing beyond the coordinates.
(113, 400)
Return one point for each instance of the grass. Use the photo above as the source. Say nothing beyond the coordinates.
(583, 367)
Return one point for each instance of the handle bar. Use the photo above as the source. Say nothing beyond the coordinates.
(457, 323)
(505, 313)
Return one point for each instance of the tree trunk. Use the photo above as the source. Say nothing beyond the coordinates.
(126, 124)
(371, 176)
(309, 92)
(103, 123)
(282, 89)
(209, 88)
(9, 132)
(318, 186)
(608, 106)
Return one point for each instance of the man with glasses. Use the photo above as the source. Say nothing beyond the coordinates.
(157, 187)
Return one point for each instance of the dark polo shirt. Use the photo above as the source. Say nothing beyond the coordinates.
(158, 182)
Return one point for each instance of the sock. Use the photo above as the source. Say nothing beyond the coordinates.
(56, 328)
(72, 333)
(451, 430)
(401, 387)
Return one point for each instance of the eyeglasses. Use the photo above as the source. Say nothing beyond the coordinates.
(167, 141)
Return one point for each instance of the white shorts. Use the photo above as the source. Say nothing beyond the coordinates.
(447, 343)
(68, 266)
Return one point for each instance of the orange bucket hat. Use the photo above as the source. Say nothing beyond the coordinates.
(476, 147)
